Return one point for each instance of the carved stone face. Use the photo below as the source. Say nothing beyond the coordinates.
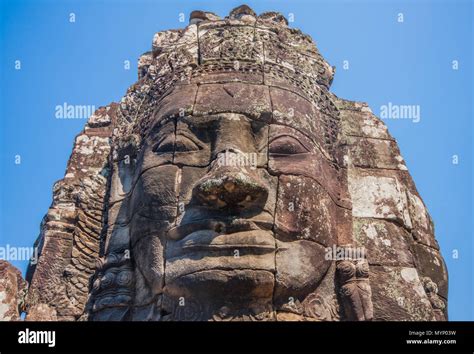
(230, 215)
(221, 182)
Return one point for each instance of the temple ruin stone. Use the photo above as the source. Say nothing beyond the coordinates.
(226, 185)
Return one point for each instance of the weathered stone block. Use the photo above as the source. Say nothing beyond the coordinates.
(386, 243)
(251, 100)
(375, 153)
(378, 196)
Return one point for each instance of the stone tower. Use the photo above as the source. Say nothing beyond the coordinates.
(230, 184)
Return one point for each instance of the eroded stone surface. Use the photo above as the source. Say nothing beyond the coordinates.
(398, 294)
(385, 242)
(378, 196)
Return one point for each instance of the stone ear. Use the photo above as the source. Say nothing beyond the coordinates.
(127, 149)
(124, 164)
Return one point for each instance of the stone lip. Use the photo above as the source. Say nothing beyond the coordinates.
(222, 225)
(217, 244)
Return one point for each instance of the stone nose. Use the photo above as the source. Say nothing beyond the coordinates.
(231, 188)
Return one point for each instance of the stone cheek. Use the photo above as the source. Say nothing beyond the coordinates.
(156, 189)
(305, 211)
(189, 177)
(321, 304)
(300, 266)
(150, 266)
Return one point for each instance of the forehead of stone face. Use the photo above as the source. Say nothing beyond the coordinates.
(226, 131)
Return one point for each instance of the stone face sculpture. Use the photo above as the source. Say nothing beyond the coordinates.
(219, 186)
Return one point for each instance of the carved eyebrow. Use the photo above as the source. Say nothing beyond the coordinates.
(300, 138)
(183, 133)
(304, 138)
(181, 130)
(187, 133)
(277, 136)
(183, 127)
(284, 135)
(289, 141)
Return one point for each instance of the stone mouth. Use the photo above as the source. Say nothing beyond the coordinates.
(223, 225)
(211, 243)
(231, 237)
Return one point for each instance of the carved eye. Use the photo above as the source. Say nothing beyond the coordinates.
(182, 144)
(286, 145)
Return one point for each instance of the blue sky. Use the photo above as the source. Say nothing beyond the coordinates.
(82, 63)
